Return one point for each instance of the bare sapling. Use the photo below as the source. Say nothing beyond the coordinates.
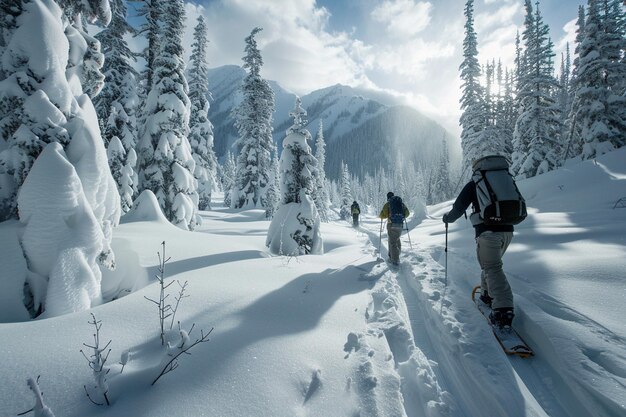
(40, 409)
(97, 363)
(183, 346)
(178, 298)
(165, 309)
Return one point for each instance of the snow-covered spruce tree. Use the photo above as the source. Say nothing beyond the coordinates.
(598, 111)
(117, 102)
(165, 160)
(573, 141)
(228, 178)
(472, 120)
(536, 140)
(273, 190)
(200, 128)
(295, 228)
(152, 13)
(122, 171)
(345, 193)
(441, 184)
(322, 200)
(253, 120)
(44, 82)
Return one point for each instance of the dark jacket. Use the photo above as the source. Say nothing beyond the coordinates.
(467, 197)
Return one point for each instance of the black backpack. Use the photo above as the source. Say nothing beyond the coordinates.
(396, 211)
(499, 200)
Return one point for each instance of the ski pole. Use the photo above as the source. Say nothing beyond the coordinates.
(380, 237)
(408, 234)
(445, 285)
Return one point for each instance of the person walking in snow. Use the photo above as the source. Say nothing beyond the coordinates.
(492, 242)
(355, 210)
(395, 212)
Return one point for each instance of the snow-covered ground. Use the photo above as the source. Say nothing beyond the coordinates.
(340, 334)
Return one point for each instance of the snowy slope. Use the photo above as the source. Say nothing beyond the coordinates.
(342, 335)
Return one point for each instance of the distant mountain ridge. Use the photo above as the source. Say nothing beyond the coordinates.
(359, 128)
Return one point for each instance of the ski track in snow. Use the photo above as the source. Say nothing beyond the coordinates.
(466, 372)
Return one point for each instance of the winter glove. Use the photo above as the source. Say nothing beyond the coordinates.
(445, 218)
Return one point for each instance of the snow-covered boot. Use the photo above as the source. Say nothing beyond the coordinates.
(502, 317)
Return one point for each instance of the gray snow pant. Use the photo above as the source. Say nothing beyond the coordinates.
(393, 232)
(490, 246)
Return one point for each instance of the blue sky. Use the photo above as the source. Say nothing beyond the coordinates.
(407, 48)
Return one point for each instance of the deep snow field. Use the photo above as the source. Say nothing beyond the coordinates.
(340, 334)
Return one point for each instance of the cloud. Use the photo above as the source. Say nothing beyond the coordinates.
(570, 35)
(297, 48)
(500, 17)
(403, 18)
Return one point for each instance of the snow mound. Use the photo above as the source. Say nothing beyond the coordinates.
(146, 209)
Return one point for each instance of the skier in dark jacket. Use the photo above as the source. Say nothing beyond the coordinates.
(491, 244)
(355, 210)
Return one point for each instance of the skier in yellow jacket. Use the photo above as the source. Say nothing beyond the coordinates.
(395, 212)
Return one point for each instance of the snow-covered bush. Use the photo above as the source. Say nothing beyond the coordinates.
(62, 239)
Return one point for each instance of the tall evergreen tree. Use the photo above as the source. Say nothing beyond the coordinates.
(536, 140)
(345, 193)
(165, 160)
(472, 120)
(200, 128)
(322, 200)
(298, 165)
(152, 12)
(117, 102)
(228, 177)
(273, 190)
(295, 229)
(253, 120)
(598, 111)
(573, 141)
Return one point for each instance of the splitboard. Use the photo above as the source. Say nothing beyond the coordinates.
(511, 342)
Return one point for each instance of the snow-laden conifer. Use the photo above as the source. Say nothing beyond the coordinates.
(228, 178)
(295, 227)
(151, 11)
(122, 168)
(273, 190)
(200, 128)
(165, 160)
(536, 141)
(117, 102)
(322, 200)
(345, 193)
(472, 120)
(598, 114)
(62, 239)
(44, 84)
(253, 120)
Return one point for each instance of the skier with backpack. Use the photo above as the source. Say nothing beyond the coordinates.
(497, 206)
(355, 210)
(395, 212)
